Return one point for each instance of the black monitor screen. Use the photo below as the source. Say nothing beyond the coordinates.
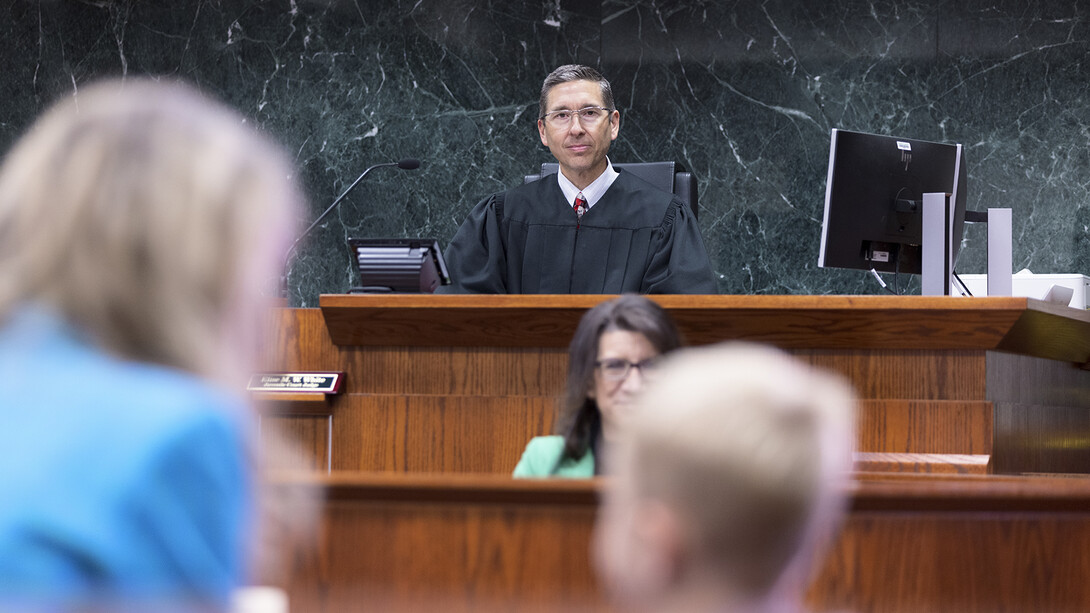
(873, 195)
(402, 265)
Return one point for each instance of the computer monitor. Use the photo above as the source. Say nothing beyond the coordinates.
(873, 198)
(399, 265)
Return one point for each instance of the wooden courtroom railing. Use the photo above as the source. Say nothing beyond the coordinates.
(1019, 325)
(460, 383)
(427, 542)
(411, 542)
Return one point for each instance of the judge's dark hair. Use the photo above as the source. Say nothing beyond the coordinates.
(580, 421)
(574, 72)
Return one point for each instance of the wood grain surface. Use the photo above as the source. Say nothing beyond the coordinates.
(1020, 325)
(931, 463)
(293, 403)
(437, 433)
(945, 398)
(400, 542)
(925, 426)
(457, 543)
(296, 442)
(422, 433)
(442, 391)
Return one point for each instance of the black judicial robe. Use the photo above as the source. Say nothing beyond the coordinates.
(528, 240)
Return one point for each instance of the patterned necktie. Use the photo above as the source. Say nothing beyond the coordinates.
(580, 205)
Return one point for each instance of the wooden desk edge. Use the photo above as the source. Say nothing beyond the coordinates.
(1014, 324)
(686, 302)
(867, 492)
(441, 487)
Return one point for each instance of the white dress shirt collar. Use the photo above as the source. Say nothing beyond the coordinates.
(593, 192)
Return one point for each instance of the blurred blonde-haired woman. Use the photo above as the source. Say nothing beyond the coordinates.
(139, 221)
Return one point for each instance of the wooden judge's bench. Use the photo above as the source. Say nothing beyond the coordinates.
(961, 399)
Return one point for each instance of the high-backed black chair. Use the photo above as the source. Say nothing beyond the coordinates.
(667, 176)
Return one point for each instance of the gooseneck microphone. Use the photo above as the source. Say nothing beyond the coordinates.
(405, 164)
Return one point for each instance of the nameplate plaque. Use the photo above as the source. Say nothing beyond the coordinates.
(294, 382)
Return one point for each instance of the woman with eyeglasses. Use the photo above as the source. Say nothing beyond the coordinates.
(615, 349)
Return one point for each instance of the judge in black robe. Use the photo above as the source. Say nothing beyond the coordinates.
(529, 240)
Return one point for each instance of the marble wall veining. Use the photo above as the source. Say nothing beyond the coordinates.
(742, 93)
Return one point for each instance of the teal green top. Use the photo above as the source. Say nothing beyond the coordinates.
(541, 456)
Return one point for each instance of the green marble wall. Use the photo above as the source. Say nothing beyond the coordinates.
(742, 93)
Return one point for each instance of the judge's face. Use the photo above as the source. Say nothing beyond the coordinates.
(579, 147)
(615, 396)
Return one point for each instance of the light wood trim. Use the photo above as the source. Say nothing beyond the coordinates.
(951, 463)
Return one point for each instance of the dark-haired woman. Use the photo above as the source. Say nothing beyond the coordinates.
(615, 347)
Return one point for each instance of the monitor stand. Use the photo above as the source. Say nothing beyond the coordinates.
(1000, 256)
(936, 268)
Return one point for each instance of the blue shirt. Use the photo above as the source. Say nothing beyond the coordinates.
(118, 480)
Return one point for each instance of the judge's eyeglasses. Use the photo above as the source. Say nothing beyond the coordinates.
(588, 115)
(618, 369)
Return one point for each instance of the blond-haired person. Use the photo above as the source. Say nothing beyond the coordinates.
(138, 222)
(725, 483)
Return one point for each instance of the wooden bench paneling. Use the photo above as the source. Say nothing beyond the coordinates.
(936, 375)
(487, 434)
(925, 426)
(400, 542)
(403, 542)
(437, 433)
